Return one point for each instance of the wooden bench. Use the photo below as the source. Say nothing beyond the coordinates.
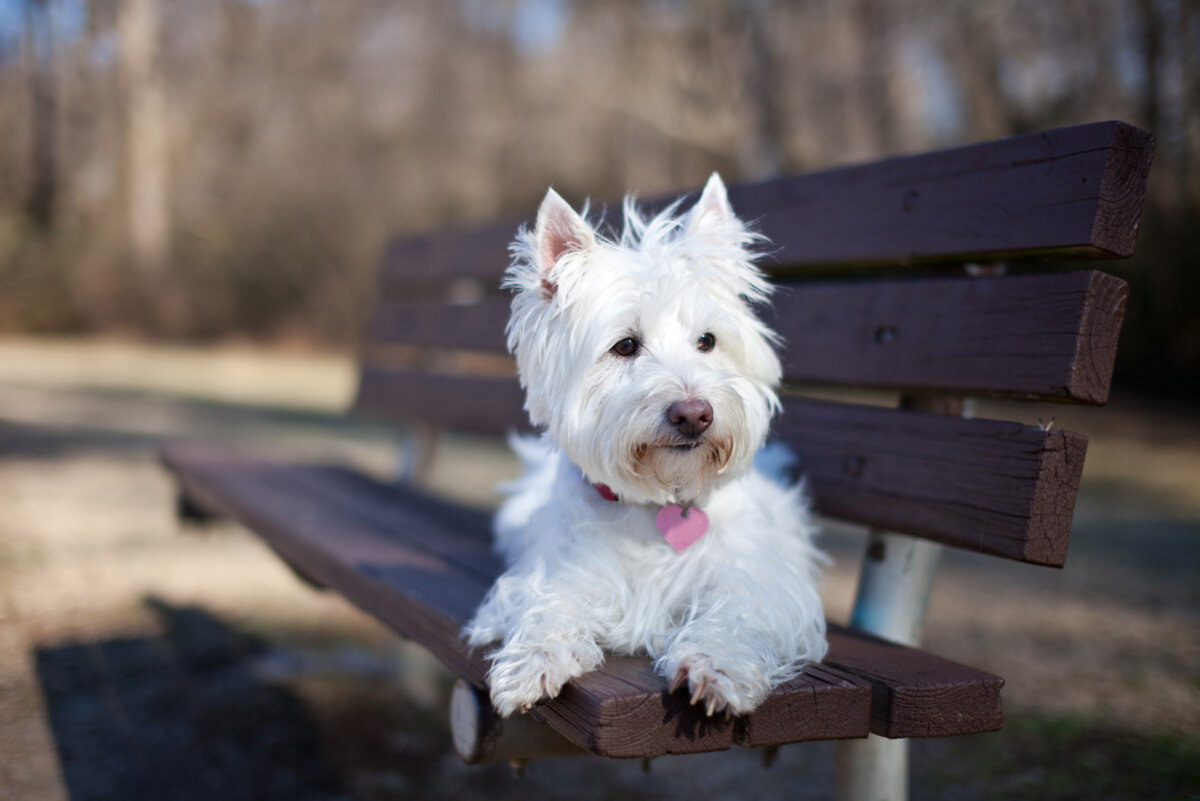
(875, 295)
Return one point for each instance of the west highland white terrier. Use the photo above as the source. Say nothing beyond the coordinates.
(641, 525)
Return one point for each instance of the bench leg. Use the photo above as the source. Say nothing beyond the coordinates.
(874, 769)
(893, 593)
(480, 735)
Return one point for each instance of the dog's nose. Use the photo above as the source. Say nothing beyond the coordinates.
(690, 417)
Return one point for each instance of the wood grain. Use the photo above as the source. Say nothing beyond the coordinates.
(1049, 337)
(1074, 191)
(989, 486)
(421, 566)
(916, 694)
(475, 404)
(983, 485)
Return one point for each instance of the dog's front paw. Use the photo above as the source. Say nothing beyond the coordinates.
(719, 689)
(520, 679)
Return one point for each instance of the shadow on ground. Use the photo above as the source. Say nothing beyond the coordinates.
(200, 712)
(179, 717)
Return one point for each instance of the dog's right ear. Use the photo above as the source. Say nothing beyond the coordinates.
(559, 231)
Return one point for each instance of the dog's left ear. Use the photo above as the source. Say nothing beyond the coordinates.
(712, 210)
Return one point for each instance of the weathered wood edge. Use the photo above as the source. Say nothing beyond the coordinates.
(1053, 506)
(909, 684)
(1119, 213)
(1096, 344)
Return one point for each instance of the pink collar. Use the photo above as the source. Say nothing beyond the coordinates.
(606, 492)
(680, 527)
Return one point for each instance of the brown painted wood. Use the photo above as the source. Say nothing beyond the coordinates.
(360, 558)
(465, 403)
(1049, 337)
(916, 694)
(1074, 191)
(990, 486)
(823, 703)
(624, 710)
(473, 326)
(984, 485)
(421, 566)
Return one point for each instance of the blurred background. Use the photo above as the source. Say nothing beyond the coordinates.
(196, 194)
(230, 169)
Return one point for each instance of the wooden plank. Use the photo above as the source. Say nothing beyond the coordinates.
(624, 710)
(823, 703)
(1050, 337)
(485, 405)
(342, 553)
(392, 559)
(916, 694)
(984, 485)
(1074, 191)
(474, 326)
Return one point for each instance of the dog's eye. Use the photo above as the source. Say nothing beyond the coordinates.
(626, 347)
(706, 342)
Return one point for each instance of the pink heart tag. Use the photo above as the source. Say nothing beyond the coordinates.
(681, 528)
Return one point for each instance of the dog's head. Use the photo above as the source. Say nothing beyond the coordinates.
(643, 357)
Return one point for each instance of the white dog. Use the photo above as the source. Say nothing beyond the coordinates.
(641, 525)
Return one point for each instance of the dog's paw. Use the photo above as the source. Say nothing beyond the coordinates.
(719, 689)
(518, 681)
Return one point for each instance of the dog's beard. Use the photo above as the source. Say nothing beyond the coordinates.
(619, 435)
(683, 471)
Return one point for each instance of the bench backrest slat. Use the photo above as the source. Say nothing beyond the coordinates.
(1051, 337)
(982, 485)
(1074, 192)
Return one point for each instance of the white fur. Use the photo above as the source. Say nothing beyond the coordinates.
(737, 612)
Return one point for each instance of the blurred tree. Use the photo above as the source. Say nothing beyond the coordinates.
(242, 162)
(41, 197)
(145, 136)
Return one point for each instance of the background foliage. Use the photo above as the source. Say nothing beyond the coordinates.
(216, 169)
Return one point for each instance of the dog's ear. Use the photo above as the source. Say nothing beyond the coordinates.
(712, 210)
(559, 231)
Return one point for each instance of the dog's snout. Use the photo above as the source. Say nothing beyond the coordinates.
(690, 417)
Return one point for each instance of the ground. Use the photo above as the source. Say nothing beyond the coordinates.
(139, 660)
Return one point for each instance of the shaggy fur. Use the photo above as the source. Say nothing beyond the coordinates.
(737, 612)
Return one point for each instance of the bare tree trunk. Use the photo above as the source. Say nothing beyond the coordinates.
(761, 153)
(42, 198)
(146, 135)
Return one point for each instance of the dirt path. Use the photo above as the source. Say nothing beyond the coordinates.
(127, 648)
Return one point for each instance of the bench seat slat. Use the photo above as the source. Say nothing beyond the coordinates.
(1073, 191)
(421, 565)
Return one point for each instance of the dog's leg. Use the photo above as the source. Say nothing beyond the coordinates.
(720, 666)
(758, 631)
(547, 640)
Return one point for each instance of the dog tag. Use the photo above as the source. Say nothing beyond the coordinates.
(681, 528)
